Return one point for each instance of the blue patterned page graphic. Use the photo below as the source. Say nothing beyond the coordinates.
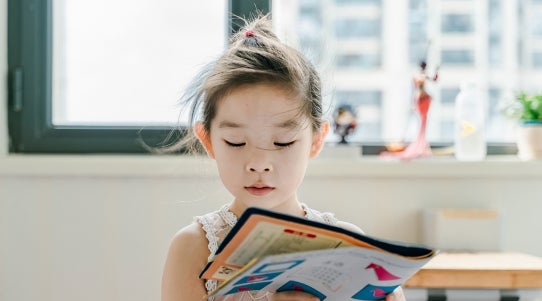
(301, 287)
(371, 292)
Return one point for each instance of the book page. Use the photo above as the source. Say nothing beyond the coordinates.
(350, 273)
(260, 233)
(271, 238)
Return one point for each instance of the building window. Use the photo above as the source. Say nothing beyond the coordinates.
(457, 23)
(458, 57)
(357, 28)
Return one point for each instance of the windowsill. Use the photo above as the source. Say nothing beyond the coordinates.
(15, 165)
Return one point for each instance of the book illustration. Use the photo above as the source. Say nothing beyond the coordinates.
(225, 272)
(371, 292)
(381, 273)
(268, 238)
(302, 287)
(334, 274)
(257, 278)
(248, 287)
(278, 266)
(333, 279)
(274, 252)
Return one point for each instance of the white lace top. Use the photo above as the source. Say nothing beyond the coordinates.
(217, 224)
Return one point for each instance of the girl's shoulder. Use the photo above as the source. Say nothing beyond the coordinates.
(191, 237)
(187, 255)
(329, 218)
(216, 220)
(320, 216)
(214, 226)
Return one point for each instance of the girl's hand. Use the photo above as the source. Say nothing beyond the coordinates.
(294, 296)
(396, 295)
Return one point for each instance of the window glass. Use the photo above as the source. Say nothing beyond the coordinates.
(537, 59)
(369, 51)
(495, 28)
(417, 30)
(126, 62)
(447, 95)
(358, 61)
(457, 23)
(458, 57)
(537, 25)
(357, 28)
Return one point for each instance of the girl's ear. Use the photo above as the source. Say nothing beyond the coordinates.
(318, 139)
(204, 138)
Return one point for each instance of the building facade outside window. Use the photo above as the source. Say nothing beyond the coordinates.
(369, 51)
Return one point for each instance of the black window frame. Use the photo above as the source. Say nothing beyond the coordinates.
(30, 124)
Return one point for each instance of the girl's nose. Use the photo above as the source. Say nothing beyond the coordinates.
(259, 163)
(260, 170)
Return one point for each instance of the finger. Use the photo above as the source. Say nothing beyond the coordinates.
(396, 295)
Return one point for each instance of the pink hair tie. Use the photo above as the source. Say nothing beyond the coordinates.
(249, 33)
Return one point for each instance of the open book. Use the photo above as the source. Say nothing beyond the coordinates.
(272, 251)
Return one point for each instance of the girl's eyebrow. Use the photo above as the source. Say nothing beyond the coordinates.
(229, 124)
(288, 124)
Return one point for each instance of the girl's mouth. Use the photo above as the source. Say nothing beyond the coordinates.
(259, 190)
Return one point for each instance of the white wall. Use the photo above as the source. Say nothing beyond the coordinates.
(91, 238)
(98, 228)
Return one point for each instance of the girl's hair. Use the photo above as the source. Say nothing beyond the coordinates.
(255, 55)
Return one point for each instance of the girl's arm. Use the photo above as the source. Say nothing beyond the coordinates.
(435, 77)
(186, 257)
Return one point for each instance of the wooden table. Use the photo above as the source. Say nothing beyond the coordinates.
(506, 272)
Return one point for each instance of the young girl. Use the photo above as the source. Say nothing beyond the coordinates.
(261, 121)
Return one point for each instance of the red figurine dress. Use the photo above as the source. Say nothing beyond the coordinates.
(422, 101)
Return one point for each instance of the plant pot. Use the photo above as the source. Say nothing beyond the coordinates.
(529, 140)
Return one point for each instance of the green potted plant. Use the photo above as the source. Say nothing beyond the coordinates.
(527, 110)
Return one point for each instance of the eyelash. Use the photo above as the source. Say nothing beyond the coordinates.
(277, 144)
(284, 145)
(234, 144)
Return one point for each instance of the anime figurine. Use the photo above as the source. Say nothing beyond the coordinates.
(344, 122)
(421, 101)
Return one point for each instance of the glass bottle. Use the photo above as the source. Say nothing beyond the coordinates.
(470, 118)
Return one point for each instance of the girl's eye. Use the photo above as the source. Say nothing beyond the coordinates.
(234, 144)
(287, 144)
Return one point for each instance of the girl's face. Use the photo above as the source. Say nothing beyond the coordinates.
(262, 145)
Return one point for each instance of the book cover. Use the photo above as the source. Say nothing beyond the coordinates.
(271, 251)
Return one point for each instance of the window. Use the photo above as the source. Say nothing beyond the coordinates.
(366, 50)
(357, 28)
(457, 57)
(102, 76)
(372, 49)
(458, 23)
(129, 73)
